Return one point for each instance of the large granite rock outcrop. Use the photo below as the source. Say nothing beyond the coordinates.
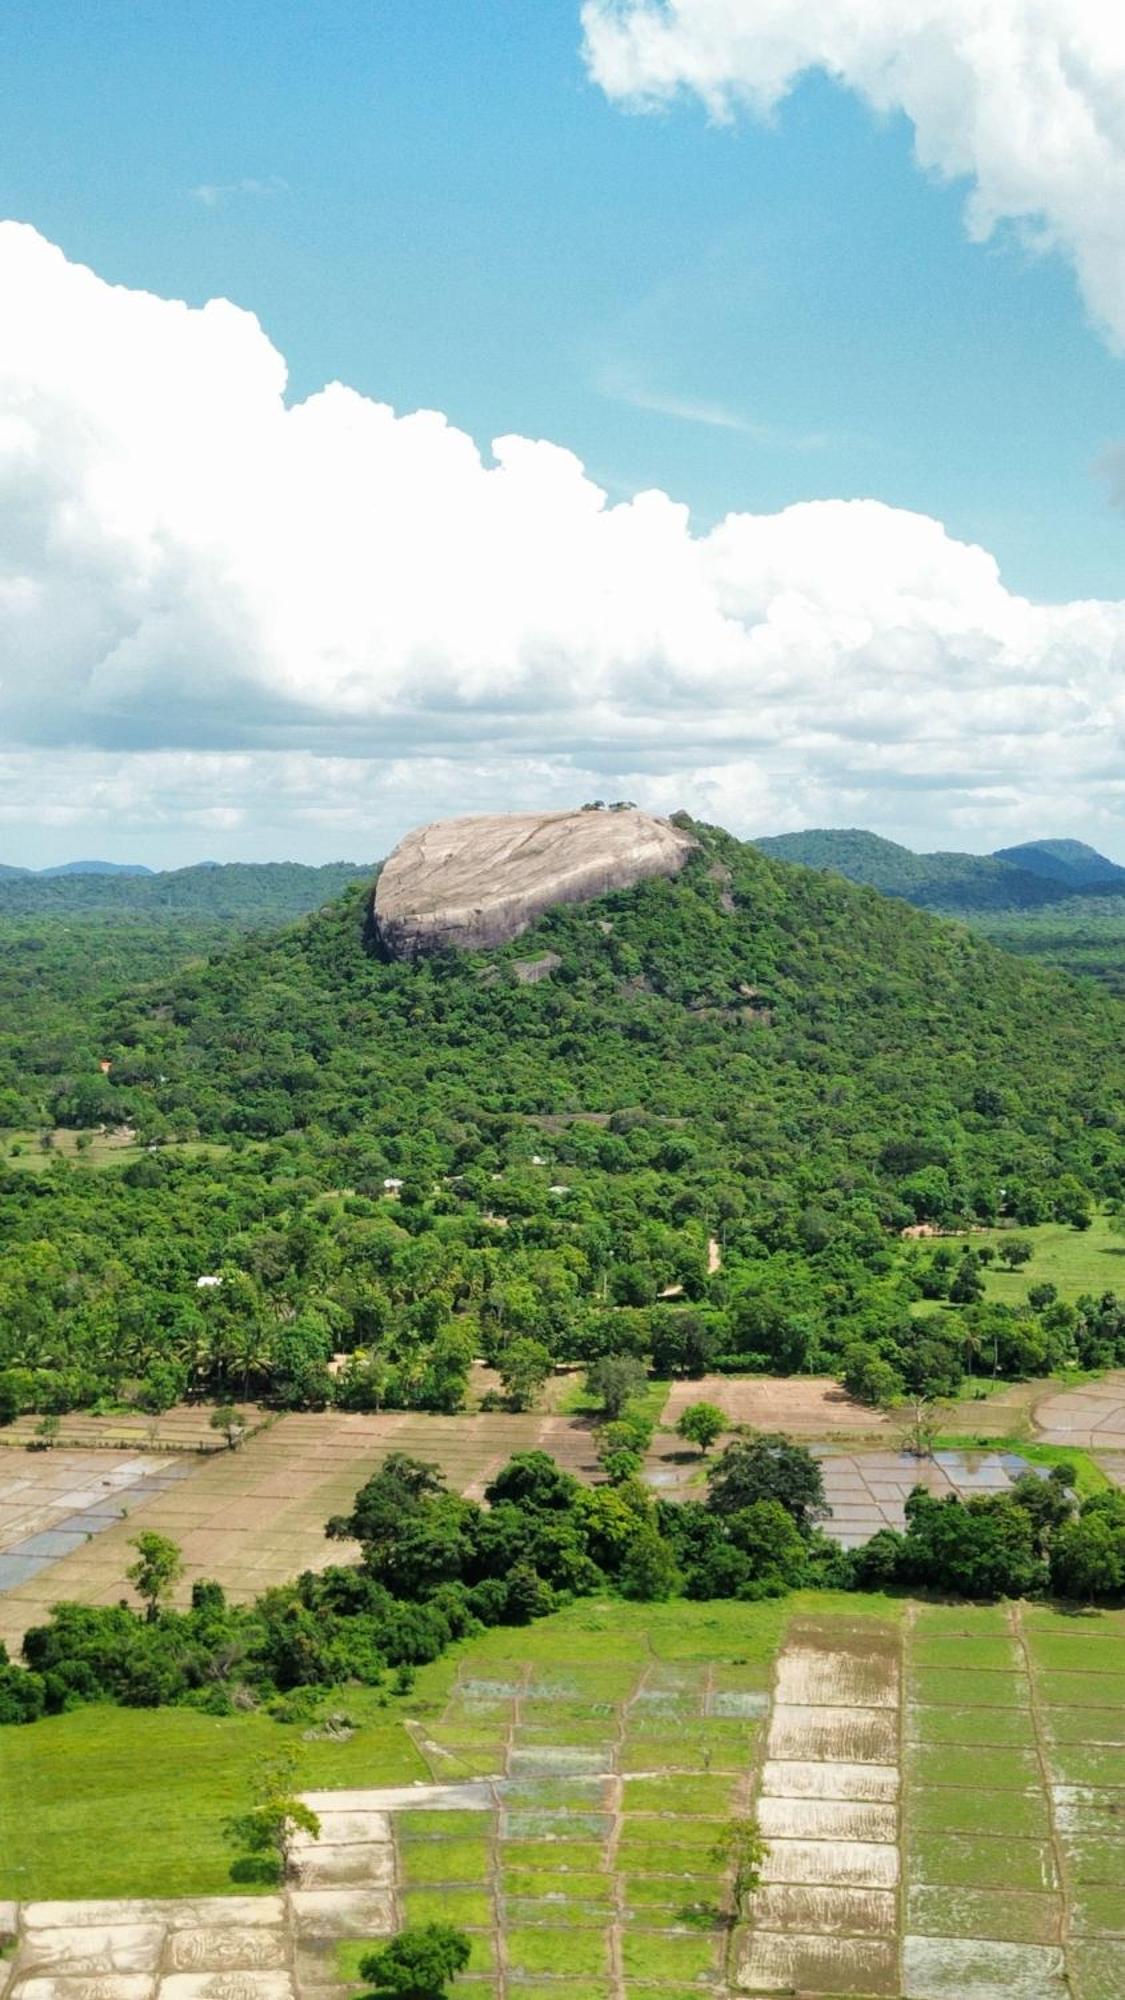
(471, 884)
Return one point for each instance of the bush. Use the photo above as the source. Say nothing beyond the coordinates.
(868, 1377)
(419, 1963)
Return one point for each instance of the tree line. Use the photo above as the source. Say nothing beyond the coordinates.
(434, 1567)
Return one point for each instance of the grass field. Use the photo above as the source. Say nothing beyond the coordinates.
(164, 1780)
(1015, 1802)
(1074, 1260)
(117, 1802)
(24, 1151)
(626, 1736)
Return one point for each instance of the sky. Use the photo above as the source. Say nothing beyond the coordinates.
(410, 407)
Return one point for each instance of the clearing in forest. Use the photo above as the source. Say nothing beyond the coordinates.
(803, 1406)
(1073, 1260)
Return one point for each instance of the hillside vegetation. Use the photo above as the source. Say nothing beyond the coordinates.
(950, 882)
(67, 937)
(763, 1055)
(1055, 900)
(1070, 862)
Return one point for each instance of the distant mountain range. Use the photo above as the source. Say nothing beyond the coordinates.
(237, 892)
(1032, 876)
(80, 868)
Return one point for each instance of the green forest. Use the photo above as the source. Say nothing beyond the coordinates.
(756, 1066)
(1055, 900)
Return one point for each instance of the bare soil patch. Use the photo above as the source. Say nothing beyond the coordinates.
(794, 1780)
(825, 1919)
(797, 1907)
(808, 1406)
(253, 1517)
(826, 1819)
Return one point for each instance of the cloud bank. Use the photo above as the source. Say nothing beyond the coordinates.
(1025, 98)
(332, 619)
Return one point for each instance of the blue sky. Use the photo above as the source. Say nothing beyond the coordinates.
(445, 205)
(451, 214)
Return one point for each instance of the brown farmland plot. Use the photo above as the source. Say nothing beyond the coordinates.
(253, 1517)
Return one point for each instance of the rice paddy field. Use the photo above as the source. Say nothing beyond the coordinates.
(249, 1518)
(941, 1788)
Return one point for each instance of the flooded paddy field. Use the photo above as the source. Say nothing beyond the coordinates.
(941, 1789)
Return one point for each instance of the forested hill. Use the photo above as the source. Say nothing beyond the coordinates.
(1070, 862)
(1035, 876)
(68, 938)
(782, 1006)
(1055, 900)
(757, 1052)
(270, 892)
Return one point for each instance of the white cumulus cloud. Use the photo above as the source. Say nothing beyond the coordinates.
(218, 605)
(1024, 98)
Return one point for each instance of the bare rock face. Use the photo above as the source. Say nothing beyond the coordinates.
(471, 884)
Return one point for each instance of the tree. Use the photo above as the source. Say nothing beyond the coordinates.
(625, 1437)
(649, 1570)
(1088, 1554)
(767, 1468)
(1072, 1202)
(773, 1544)
(535, 1483)
(400, 1489)
(741, 1851)
(158, 1568)
(620, 1464)
(1088, 1558)
(700, 1424)
(524, 1367)
(1014, 1251)
(868, 1377)
(273, 1825)
(968, 1285)
(231, 1422)
(683, 1343)
(419, 1963)
(614, 1380)
(922, 1428)
(986, 1547)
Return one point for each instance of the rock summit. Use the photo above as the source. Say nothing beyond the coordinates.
(471, 884)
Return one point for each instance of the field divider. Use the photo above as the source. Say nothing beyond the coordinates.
(1058, 1851)
(903, 1902)
(615, 1937)
(499, 1896)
